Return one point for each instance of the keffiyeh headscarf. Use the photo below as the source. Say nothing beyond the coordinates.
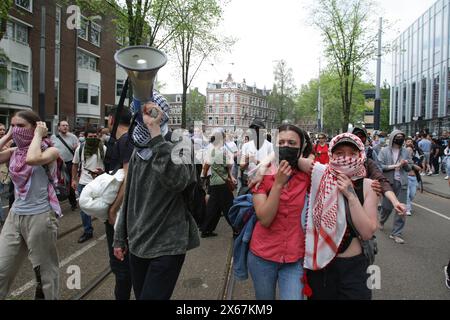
(21, 173)
(326, 224)
(141, 135)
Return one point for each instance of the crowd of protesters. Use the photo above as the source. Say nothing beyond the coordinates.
(315, 200)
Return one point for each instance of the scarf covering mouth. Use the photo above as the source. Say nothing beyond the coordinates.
(326, 220)
(93, 146)
(140, 134)
(21, 173)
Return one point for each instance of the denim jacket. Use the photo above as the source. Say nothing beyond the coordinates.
(242, 216)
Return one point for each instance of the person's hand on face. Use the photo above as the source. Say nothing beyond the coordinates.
(283, 174)
(41, 129)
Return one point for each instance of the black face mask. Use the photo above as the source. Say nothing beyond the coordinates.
(399, 141)
(291, 155)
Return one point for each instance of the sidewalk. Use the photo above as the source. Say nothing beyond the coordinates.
(436, 185)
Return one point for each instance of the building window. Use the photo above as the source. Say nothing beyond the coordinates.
(95, 91)
(119, 87)
(232, 121)
(83, 93)
(217, 121)
(19, 77)
(83, 31)
(3, 77)
(210, 109)
(225, 121)
(210, 121)
(25, 4)
(225, 110)
(21, 33)
(178, 99)
(86, 61)
(17, 32)
(95, 34)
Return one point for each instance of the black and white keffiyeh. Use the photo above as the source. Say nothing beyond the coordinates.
(141, 135)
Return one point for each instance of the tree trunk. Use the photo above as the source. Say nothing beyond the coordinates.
(183, 107)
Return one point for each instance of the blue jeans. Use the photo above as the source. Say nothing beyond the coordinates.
(387, 208)
(85, 219)
(448, 166)
(412, 189)
(265, 275)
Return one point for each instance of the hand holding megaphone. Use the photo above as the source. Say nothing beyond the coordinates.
(152, 114)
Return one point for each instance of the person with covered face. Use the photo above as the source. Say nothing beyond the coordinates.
(396, 162)
(31, 227)
(87, 165)
(340, 197)
(277, 245)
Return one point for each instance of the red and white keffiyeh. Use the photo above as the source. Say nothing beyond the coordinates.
(326, 220)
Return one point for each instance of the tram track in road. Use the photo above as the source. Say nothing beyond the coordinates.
(93, 285)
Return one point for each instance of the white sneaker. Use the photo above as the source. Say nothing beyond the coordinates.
(397, 239)
(408, 213)
(422, 174)
(446, 178)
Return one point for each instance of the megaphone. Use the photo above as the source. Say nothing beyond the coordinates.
(141, 64)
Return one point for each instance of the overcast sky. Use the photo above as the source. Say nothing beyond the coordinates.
(268, 30)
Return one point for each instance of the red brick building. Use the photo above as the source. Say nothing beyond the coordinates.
(81, 77)
(233, 106)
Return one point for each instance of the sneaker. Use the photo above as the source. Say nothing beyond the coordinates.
(447, 278)
(422, 174)
(397, 239)
(408, 213)
(446, 178)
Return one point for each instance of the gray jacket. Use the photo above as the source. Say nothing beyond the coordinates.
(386, 159)
(154, 217)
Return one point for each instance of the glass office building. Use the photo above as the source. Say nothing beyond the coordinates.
(420, 91)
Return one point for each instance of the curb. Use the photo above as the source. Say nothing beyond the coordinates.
(436, 193)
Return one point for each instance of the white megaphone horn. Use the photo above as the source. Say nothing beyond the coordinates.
(141, 64)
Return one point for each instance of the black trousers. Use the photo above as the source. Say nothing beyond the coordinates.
(72, 196)
(342, 279)
(155, 279)
(121, 269)
(220, 200)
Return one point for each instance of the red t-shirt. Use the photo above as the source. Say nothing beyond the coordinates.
(284, 240)
(321, 153)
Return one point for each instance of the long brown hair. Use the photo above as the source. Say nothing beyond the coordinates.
(30, 116)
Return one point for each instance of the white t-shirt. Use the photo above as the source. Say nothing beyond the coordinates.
(256, 156)
(396, 153)
(92, 163)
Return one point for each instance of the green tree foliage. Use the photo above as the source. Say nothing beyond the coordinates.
(349, 35)
(5, 6)
(196, 103)
(283, 92)
(196, 38)
(306, 102)
(385, 107)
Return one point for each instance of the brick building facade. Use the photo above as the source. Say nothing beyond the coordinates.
(81, 77)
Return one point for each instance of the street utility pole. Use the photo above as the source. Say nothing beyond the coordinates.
(42, 67)
(377, 113)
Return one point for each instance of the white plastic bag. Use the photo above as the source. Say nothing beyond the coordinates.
(98, 195)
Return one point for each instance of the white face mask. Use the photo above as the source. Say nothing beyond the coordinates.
(82, 139)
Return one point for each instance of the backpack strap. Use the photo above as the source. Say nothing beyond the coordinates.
(65, 144)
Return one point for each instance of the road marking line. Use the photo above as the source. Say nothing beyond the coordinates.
(63, 263)
(432, 211)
